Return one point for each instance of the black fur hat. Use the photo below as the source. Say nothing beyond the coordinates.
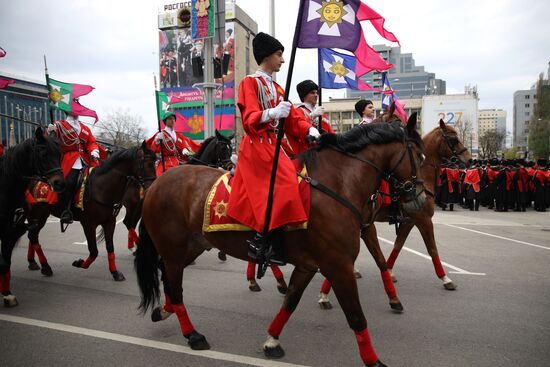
(264, 45)
(303, 88)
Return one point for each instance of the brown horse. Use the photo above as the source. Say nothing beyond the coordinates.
(105, 187)
(442, 142)
(350, 166)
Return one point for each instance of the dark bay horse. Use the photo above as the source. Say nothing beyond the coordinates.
(105, 188)
(215, 152)
(351, 165)
(442, 142)
(37, 158)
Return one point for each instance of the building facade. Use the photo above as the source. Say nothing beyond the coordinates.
(491, 120)
(23, 107)
(524, 101)
(407, 80)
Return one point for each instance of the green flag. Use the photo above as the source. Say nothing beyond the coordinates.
(60, 95)
(163, 104)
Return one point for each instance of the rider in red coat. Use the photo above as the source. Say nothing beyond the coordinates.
(175, 147)
(78, 149)
(261, 105)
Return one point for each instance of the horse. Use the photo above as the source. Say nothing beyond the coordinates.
(215, 152)
(347, 167)
(441, 142)
(104, 189)
(36, 158)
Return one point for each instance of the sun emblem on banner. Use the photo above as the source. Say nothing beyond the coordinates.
(220, 209)
(55, 96)
(339, 70)
(331, 13)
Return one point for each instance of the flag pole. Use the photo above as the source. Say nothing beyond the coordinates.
(49, 90)
(158, 123)
(280, 133)
(320, 103)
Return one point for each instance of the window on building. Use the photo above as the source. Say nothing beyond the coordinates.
(347, 115)
(527, 113)
(527, 97)
(527, 105)
(526, 123)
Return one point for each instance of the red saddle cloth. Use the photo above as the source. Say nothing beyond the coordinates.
(215, 207)
(42, 192)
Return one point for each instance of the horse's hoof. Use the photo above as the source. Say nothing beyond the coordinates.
(274, 352)
(33, 265)
(396, 307)
(450, 286)
(197, 341)
(10, 301)
(326, 305)
(118, 276)
(78, 263)
(46, 270)
(281, 286)
(160, 314)
(254, 287)
(377, 364)
(357, 274)
(222, 256)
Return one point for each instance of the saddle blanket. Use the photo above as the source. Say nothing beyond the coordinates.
(42, 192)
(215, 207)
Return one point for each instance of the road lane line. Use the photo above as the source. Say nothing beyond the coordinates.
(147, 342)
(86, 242)
(500, 237)
(456, 269)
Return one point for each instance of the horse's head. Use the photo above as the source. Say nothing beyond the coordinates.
(215, 151)
(450, 146)
(143, 167)
(46, 160)
(405, 168)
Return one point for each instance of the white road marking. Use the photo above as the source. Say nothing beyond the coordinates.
(147, 343)
(500, 237)
(86, 242)
(456, 269)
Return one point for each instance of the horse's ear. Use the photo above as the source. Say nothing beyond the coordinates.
(392, 109)
(441, 123)
(39, 134)
(411, 123)
(144, 146)
(219, 135)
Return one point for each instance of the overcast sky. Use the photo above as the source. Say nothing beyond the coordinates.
(501, 45)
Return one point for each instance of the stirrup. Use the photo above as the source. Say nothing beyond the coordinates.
(65, 219)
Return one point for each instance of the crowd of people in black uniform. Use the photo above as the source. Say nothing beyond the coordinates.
(501, 185)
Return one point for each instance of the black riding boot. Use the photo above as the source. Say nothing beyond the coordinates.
(67, 196)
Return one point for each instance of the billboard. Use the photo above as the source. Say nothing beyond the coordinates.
(181, 61)
(459, 111)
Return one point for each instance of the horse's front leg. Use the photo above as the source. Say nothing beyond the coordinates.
(299, 280)
(35, 227)
(108, 231)
(402, 235)
(426, 228)
(345, 288)
(89, 232)
(370, 237)
(8, 243)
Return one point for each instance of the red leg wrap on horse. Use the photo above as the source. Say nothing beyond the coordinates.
(112, 263)
(133, 238)
(30, 252)
(168, 307)
(368, 355)
(279, 323)
(438, 267)
(325, 288)
(392, 258)
(277, 273)
(40, 253)
(86, 264)
(5, 282)
(185, 324)
(388, 284)
(250, 270)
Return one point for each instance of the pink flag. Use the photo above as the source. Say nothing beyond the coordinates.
(366, 13)
(5, 82)
(2, 52)
(80, 110)
(367, 56)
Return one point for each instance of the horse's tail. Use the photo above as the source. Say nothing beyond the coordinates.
(146, 265)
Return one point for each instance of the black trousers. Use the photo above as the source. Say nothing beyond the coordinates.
(71, 181)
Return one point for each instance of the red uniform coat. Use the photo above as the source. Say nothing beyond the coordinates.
(472, 178)
(301, 145)
(172, 151)
(1, 149)
(248, 200)
(74, 146)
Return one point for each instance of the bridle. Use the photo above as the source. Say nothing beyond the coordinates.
(39, 173)
(452, 146)
(220, 162)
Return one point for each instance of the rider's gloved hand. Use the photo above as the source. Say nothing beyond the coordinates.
(51, 129)
(281, 111)
(186, 152)
(314, 133)
(318, 111)
(95, 153)
(159, 137)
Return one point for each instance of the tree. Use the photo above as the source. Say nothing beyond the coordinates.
(122, 129)
(539, 127)
(464, 132)
(511, 153)
(490, 143)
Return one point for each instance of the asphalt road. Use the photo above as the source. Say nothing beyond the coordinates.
(498, 316)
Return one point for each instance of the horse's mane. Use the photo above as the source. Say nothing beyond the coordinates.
(358, 138)
(116, 158)
(203, 146)
(13, 160)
